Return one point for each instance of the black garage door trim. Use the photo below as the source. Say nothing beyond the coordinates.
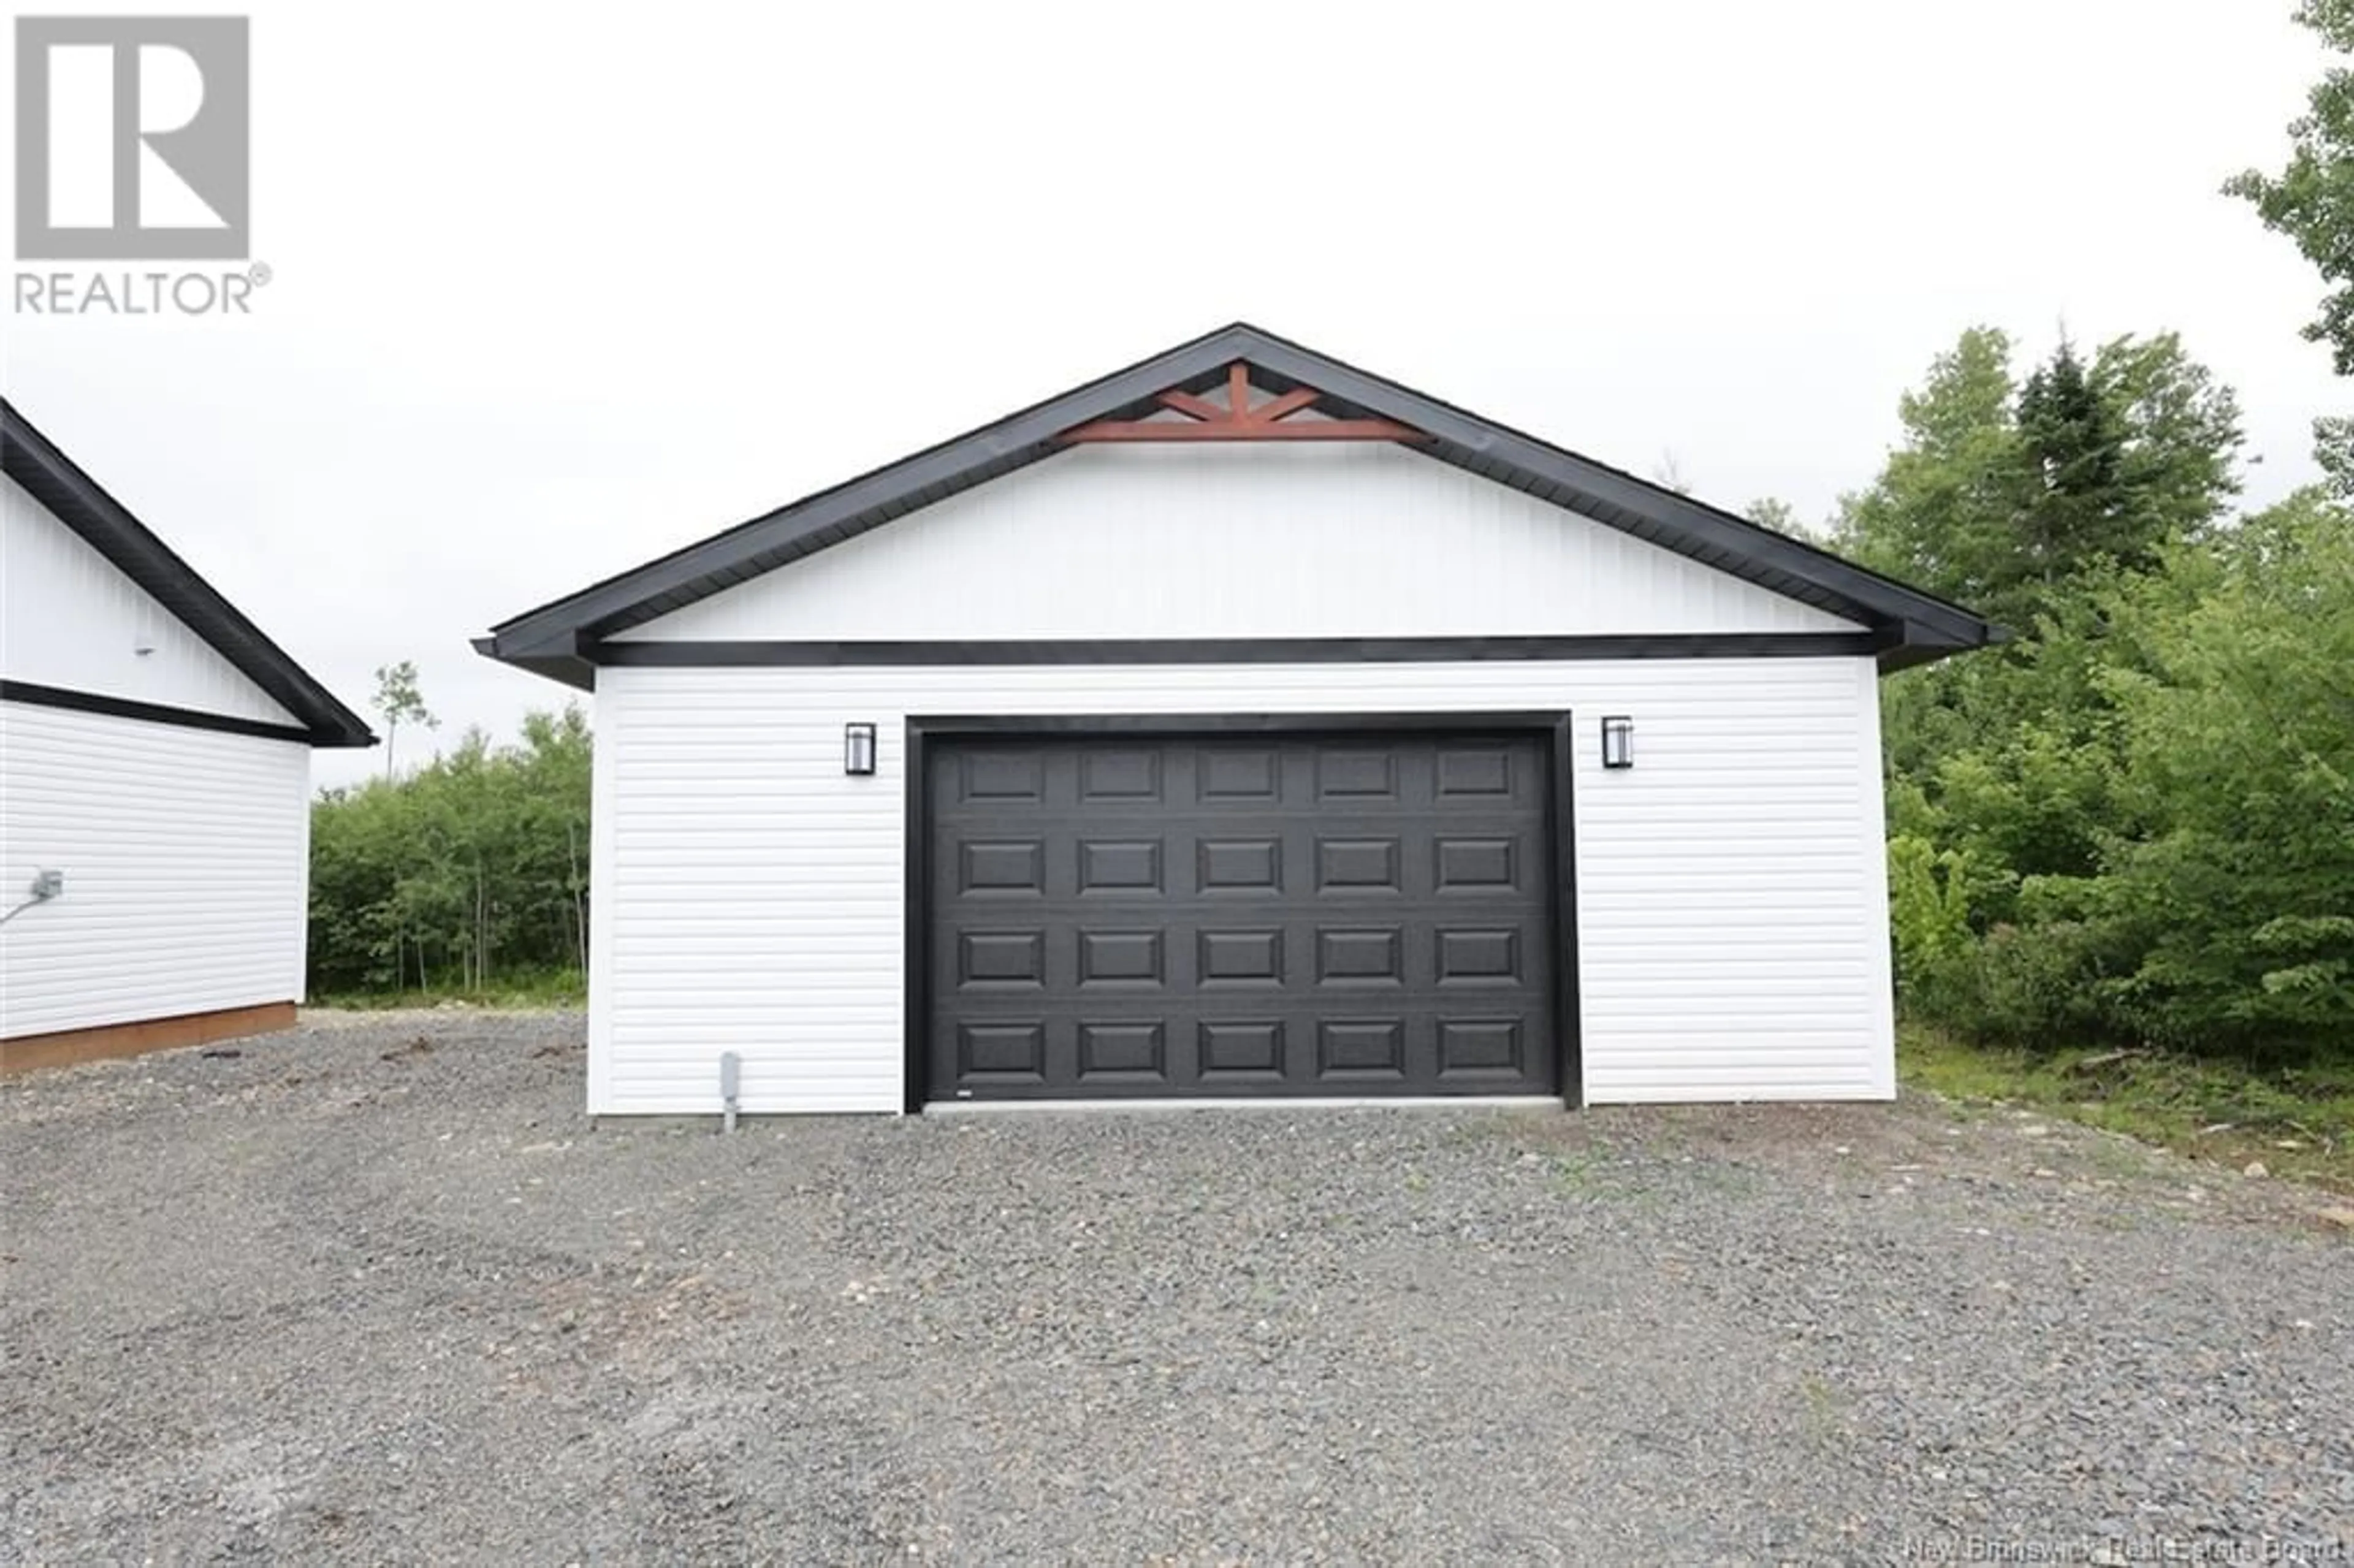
(1560, 820)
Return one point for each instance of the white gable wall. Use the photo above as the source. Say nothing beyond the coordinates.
(1242, 540)
(68, 618)
(1732, 938)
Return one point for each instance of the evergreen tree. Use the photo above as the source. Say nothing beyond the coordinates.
(2072, 511)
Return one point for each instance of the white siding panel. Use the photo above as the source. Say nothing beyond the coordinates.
(1732, 921)
(1346, 540)
(186, 860)
(68, 618)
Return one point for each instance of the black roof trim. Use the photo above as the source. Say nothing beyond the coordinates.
(1915, 626)
(722, 654)
(82, 504)
(36, 695)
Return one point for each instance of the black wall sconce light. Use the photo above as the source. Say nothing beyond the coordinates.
(1618, 741)
(858, 749)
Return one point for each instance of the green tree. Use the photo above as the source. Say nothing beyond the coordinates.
(1772, 511)
(1944, 502)
(2141, 826)
(2002, 494)
(2311, 201)
(398, 701)
(2235, 722)
(470, 867)
(2176, 471)
(2070, 442)
(2136, 823)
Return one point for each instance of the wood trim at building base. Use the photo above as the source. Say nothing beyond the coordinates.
(67, 1046)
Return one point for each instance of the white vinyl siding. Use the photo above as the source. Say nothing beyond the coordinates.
(1251, 540)
(1732, 907)
(68, 618)
(186, 859)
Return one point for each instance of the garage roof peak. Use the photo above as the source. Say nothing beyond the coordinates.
(1239, 382)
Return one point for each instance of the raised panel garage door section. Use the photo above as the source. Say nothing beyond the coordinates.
(1340, 915)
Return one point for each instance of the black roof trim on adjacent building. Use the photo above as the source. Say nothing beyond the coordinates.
(40, 696)
(1911, 627)
(82, 504)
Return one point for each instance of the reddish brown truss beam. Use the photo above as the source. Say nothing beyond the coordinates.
(1209, 413)
(1240, 430)
(1290, 403)
(1238, 421)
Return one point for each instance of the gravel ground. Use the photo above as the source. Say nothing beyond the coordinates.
(373, 1290)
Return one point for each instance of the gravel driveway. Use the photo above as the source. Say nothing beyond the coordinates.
(374, 1291)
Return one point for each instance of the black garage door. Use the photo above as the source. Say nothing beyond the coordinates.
(1311, 914)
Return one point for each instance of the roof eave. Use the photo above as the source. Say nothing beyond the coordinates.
(556, 660)
(1908, 645)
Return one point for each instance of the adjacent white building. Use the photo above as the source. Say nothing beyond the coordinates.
(155, 783)
(1239, 724)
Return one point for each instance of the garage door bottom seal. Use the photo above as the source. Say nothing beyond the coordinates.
(1259, 1103)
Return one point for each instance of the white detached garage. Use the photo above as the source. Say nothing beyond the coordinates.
(155, 783)
(1238, 724)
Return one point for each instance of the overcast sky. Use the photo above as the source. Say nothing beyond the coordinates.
(558, 289)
